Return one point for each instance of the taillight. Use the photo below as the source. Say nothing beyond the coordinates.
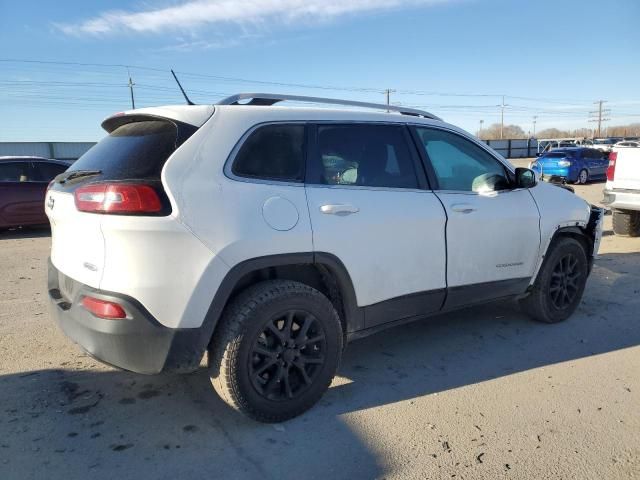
(103, 308)
(611, 169)
(117, 198)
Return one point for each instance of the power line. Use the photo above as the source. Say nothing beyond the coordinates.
(51, 62)
(151, 90)
(290, 84)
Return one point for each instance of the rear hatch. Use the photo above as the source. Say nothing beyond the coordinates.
(551, 162)
(120, 175)
(627, 169)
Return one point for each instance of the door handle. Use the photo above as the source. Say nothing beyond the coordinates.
(463, 208)
(340, 210)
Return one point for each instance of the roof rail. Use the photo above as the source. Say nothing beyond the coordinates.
(267, 99)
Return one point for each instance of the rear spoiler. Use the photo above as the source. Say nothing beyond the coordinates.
(194, 115)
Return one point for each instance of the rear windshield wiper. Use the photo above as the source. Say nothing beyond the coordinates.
(78, 174)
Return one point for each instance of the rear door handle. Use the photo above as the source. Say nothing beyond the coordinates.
(340, 210)
(463, 208)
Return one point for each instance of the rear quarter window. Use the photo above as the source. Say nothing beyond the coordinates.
(272, 152)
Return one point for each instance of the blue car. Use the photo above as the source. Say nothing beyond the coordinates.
(576, 165)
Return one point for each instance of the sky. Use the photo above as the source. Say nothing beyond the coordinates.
(65, 65)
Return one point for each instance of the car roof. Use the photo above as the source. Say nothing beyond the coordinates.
(30, 158)
(570, 149)
(7, 158)
(198, 114)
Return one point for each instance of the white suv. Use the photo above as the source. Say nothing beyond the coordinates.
(271, 236)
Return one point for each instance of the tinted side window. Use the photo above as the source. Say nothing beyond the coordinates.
(45, 171)
(364, 155)
(16, 172)
(461, 165)
(275, 152)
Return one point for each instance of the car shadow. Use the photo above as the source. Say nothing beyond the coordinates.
(97, 422)
(26, 232)
(490, 341)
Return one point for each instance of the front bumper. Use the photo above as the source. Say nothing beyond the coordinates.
(595, 228)
(622, 199)
(137, 343)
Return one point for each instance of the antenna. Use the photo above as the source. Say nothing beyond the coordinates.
(131, 84)
(189, 102)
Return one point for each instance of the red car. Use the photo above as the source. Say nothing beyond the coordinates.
(23, 184)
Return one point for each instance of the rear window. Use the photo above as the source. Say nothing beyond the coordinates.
(558, 154)
(136, 150)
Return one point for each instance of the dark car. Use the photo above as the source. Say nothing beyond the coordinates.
(577, 165)
(23, 184)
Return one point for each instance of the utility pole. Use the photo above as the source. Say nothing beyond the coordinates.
(535, 118)
(388, 93)
(131, 84)
(599, 116)
(480, 129)
(502, 117)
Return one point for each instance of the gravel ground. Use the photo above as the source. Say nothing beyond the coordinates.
(482, 393)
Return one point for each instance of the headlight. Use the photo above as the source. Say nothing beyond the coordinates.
(564, 163)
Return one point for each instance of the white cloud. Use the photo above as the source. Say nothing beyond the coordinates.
(187, 46)
(199, 13)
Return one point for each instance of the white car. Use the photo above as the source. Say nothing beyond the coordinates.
(622, 190)
(627, 143)
(271, 236)
(604, 144)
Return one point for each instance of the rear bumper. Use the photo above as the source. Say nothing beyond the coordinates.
(137, 343)
(564, 173)
(622, 199)
(547, 172)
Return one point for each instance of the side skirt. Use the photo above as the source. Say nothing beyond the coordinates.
(456, 298)
(465, 295)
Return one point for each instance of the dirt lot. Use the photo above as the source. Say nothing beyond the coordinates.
(483, 393)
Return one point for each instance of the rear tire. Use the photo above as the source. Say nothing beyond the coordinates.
(583, 177)
(626, 223)
(276, 350)
(560, 284)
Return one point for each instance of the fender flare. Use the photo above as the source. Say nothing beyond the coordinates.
(572, 230)
(354, 315)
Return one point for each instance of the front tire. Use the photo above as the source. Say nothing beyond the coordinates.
(276, 350)
(560, 284)
(626, 223)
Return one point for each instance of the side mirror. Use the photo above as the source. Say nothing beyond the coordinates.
(538, 154)
(525, 178)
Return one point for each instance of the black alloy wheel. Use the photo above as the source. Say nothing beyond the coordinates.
(276, 350)
(564, 281)
(560, 283)
(287, 355)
